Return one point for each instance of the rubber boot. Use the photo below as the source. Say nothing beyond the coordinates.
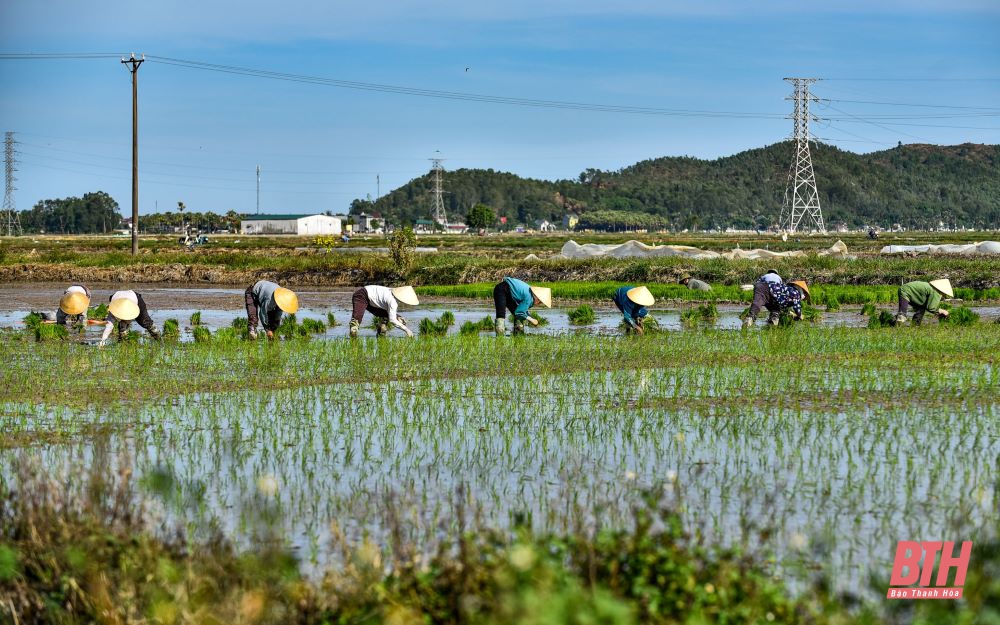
(901, 319)
(381, 329)
(518, 328)
(774, 319)
(499, 327)
(748, 322)
(355, 328)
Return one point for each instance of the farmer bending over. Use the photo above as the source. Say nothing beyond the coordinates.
(265, 302)
(924, 297)
(695, 284)
(518, 296)
(382, 302)
(632, 301)
(124, 307)
(73, 305)
(776, 297)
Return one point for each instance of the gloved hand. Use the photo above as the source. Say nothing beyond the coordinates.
(270, 334)
(943, 313)
(532, 320)
(102, 342)
(155, 335)
(408, 332)
(638, 329)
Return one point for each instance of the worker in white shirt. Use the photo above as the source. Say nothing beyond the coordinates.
(383, 303)
(125, 307)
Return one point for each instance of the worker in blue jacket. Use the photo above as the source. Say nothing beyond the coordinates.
(632, 302)
(518, 296)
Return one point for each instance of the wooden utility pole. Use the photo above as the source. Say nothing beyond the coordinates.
(133, 65)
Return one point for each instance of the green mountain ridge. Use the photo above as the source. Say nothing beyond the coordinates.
(914, 185)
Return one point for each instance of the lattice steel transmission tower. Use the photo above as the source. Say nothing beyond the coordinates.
(801, 205)
(11, 225)
(439, 214)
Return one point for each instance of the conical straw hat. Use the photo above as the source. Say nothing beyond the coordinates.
(123, 309)
(802, 285)
(286, 300)
(943, 285)
(641, 296)
(544, 295)
(74, 303)
(406, 295)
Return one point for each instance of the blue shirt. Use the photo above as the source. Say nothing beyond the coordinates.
(630, 310)
(520, 292)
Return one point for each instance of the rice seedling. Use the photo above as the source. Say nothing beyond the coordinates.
(542, 321)
(704, 313)
(869, 309)
(961, 316)
(881, 319)
(471, 328)
(51, 332)
(202, 334)
(196, 319)
(98, 312)
(582, 315)
(331, 320)
(832, 303)
(313, 326)
(437, 327)
(171, 330)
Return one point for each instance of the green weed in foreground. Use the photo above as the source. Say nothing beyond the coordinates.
(120, 569)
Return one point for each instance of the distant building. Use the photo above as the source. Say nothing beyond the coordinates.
(543, 225)
(456, 228)
(302, 225)
(423, 225)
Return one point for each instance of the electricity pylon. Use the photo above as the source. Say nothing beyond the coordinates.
(801, 205)
(11, 224)
(439, 213)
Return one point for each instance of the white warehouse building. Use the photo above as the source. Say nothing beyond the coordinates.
(302, 225)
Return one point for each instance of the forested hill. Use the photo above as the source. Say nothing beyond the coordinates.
(913, 185)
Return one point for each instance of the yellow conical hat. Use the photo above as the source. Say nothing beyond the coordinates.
(74, 303)
(944, 286)
(802, 285)
(286, 300)
(406, 295)
(641, 296)
(544, 295)
(123, 309)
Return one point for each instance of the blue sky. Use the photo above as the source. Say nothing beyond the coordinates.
(203, 133)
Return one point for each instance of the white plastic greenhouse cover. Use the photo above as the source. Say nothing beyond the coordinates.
(985, 247)
(637, 249)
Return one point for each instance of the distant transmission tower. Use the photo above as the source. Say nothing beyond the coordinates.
(801, 196)
(439, 214)
(11, 221)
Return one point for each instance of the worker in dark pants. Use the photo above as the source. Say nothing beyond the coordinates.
(73, 305)
(924, 297)
(518, 296)
(125, 307)
(776, 297)
(383, 303)
(265, 302)
(632, 302)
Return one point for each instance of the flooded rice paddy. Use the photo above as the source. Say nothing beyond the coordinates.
(832, 480)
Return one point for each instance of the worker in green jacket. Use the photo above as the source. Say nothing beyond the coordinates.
(924, 297)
